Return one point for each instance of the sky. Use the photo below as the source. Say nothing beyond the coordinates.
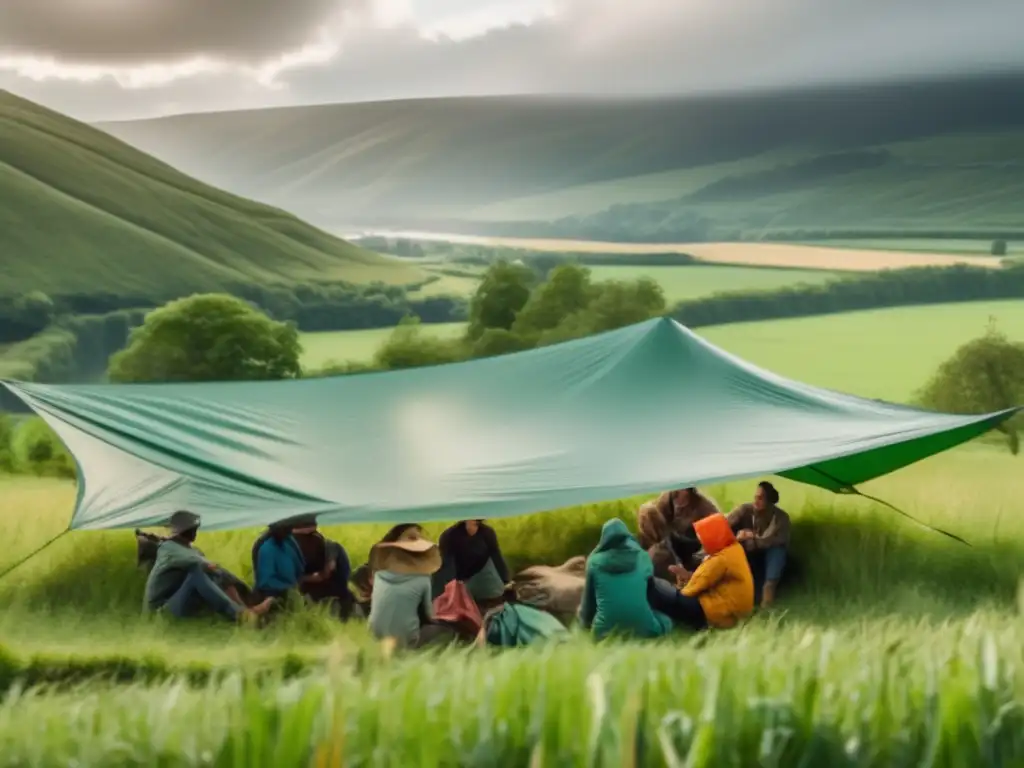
(126, 59)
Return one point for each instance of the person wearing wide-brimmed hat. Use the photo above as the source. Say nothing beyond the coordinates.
(401, 604)
(182, 578)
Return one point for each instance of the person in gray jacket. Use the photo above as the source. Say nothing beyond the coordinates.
(185, 583)
(401, 606)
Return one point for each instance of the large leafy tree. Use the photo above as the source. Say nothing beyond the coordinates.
(209, 337)
(502, 293)
(982, 376)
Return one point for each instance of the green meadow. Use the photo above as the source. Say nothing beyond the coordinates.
(898, 647)
(679, 283)
(895, 647)
(887, 353)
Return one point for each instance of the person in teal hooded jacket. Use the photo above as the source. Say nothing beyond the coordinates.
(615, 590)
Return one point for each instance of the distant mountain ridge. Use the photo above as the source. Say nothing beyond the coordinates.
(476, 161)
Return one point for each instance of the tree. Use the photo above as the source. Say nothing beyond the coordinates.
(409, 347)
(999, 248)
(498, 341)
(616, 304)
(209, 337)
(502, 293)
(982, 376)
(35, 309)
(566, 291)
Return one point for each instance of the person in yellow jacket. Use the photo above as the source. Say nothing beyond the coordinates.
(720, 592)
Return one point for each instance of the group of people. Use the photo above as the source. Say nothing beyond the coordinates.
(690, 565)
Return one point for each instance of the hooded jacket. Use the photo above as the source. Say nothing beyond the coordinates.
(400, 602)
(723, 582)
(615, 588)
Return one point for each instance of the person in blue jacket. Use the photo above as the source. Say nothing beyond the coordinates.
(280, 566)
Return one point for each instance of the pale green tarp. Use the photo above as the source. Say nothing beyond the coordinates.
(625, 413)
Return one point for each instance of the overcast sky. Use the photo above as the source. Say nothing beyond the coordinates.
(116, 59)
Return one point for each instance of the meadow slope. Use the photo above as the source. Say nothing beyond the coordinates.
(881, 601)
(82, 212)
(906, 156)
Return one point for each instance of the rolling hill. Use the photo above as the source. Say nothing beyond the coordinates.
(82, 212)
(921, 157)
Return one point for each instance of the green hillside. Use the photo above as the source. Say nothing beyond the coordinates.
(82, 212)
(896, 157)
(963, 185)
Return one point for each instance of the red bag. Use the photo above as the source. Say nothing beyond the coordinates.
(456, 607)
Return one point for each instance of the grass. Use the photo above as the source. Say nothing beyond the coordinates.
(679, 283)
(955, 158)
(886, 353)
(320, 349)
(447, 285)
(80, 209)
(964, 246)
(682, 283)
(898, 646)
(771, 255)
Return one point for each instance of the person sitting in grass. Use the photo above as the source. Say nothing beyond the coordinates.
(401, 607)
(184, 582)
(615, 587)
(665, 526)
(720, 592)
(470, 554)
(293, 555)
(328, 558)
(763, 530)
(279, 565)
(362, 577)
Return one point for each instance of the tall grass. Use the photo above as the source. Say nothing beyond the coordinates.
(898, 647)
(764, 696)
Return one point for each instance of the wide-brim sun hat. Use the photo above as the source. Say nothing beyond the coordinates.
(183, 521)
(406, 556)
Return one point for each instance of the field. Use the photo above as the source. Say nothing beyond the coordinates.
(886, 353)
(887, 652)
(942, 157)
(898, 647)
(965, 247)
(781, 255)
(319, 349)
(84, 213)
(679, 283)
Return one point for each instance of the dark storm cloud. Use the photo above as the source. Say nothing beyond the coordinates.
(146, 31)
(592, 46)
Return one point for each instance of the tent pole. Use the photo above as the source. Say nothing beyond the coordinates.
(18, 563)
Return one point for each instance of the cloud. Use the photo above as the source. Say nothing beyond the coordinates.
(120, 32)
(268, 52)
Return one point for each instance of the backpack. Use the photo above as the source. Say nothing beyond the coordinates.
(515, 624)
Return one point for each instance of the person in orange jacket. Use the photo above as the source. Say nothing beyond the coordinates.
(720, 592)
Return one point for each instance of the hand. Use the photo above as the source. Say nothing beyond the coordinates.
(745, 535)
(314, 578)
(211, 567)
(682, 575)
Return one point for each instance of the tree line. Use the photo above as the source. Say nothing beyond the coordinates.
(311, 306)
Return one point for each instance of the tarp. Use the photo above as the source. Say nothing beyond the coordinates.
(628, 412)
